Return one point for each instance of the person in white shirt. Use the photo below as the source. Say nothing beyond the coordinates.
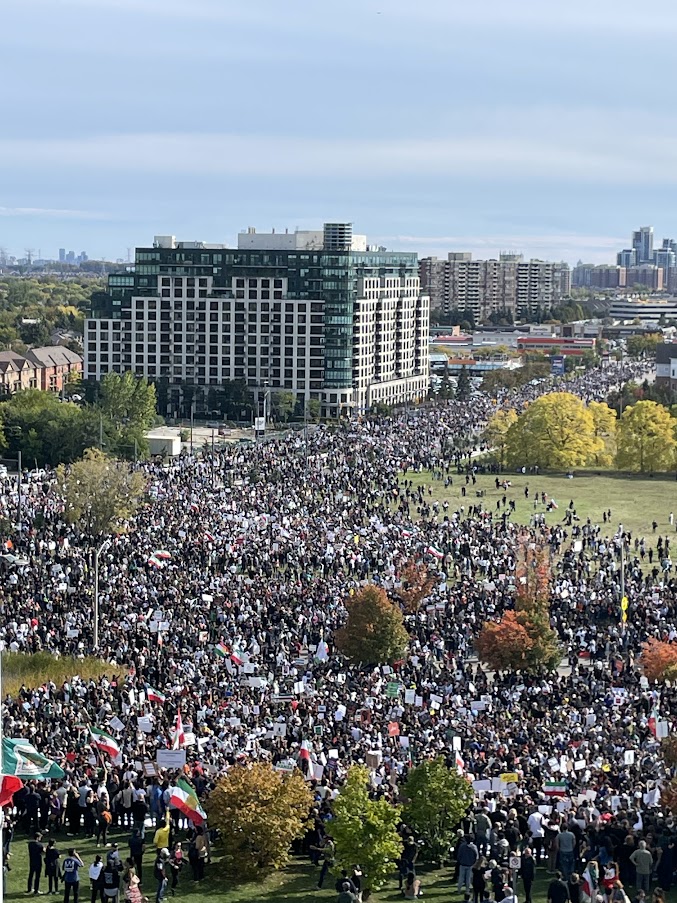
(535, 825)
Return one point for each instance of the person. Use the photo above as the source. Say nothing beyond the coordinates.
(574, 886)
(103, 820)
(176, 864)
(566, 845)
(412, 887)
(161, 836)
(537, 831)
(95, 884)
(346, 895)
(70, 869)
(200, 853)
(558, 892)
(52, 856)
(110, 881)
(160, 874)
(328, 854)
(408, 859)
(36, 852)
(640, 897)
(617, 893)
(643, 863)
(527, 873)
(479, 881)
(509, 895)
(137, 847)
(466, 857)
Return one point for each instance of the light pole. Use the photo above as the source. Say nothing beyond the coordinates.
(97, 554)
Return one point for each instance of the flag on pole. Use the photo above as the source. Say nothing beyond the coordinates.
(209, 536)
(179, 736)
(459, 762)
(435, 552)
(21, 759)
(222, 650)
(105, 742)
(155, 696)
(236, 659)
(184, 798)
(653, 720)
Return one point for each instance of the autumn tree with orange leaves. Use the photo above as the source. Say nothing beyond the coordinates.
(417, 584)
(523, 639)
(659, 660)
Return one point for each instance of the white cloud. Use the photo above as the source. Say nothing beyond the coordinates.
(523, 145)
(52, 213)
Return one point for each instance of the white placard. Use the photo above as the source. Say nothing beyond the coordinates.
(170, 758)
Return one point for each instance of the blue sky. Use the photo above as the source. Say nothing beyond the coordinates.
(536, 125)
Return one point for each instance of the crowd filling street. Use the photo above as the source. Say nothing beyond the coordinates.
(220, 602)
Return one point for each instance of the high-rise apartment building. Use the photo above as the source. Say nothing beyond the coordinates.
(589, 275)
(509, 285)
(642, 244)
(316, 313)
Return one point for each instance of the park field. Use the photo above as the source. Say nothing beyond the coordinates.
(634, 501)
(295, 884)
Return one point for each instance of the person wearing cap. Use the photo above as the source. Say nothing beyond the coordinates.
(346, 895)
(160, 874)
(509, 895)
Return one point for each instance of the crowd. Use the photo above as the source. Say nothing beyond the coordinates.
(233, 627)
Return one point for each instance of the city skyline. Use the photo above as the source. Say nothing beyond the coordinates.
(524, 129)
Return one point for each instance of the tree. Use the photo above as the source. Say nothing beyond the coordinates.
(659, 660)
(437, 799)
(523, 639)
(100, 494)
(260, 812)
(496, 432)
(365, 830)
(463, 387)
(417, 584)
(374, 632)
(646, 438)
(126, 398)
(282, 405)
(556, 432)
(604, 426)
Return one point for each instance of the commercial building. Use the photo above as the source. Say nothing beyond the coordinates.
(588, 275)
(646, 310)
(563, 345)
(508, 286)
(318, 314)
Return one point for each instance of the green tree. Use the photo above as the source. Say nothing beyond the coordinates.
(496, 432)
(437, 799)
(556, 432)
(646, 438)
(260, 813)
(282, 405)
(463, 387)
(374, 632)
(100, 494)
(126, 398)
(46, 431)
(365, 830)
(313, 408)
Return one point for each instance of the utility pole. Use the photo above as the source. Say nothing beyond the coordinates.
(18, 486)
(97, 554)
(101, 431)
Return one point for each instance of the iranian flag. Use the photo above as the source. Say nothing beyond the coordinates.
(156, 696)
(653, 720)
(184, 798)
(222, 650)
(8, 787)
(105, 742)
(555, 788)
(459, 762)
(435, 552)
(209, 537)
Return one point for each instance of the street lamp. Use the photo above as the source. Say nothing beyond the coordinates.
(97, 554)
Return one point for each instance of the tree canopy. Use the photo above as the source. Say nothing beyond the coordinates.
(374, 632)
(365, 830)
(100, 494)
(646, 438)
(261, 812)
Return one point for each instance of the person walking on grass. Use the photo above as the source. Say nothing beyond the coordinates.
(70, 869)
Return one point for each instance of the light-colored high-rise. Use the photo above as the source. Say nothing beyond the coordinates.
(509, 286)
(317, 313)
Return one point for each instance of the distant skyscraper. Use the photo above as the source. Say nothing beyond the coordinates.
(62, 255)
(70, 257)
(642, 243)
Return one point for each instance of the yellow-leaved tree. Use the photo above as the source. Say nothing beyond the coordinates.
(260, 813)
(646, 438)
(556, 432)
(496, 432)
(604, 423)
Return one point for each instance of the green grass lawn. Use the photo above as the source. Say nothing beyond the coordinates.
(634, 501)
(296, 884)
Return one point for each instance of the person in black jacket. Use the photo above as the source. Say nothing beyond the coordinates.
(527, 873)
